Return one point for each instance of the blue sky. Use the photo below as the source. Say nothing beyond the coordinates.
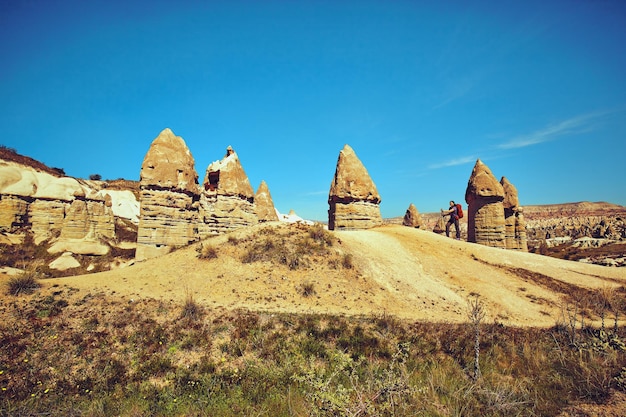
(420, 90)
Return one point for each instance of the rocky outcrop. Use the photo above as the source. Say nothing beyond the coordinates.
(265, 210)
(412, 218)
(514, 224)
(227, 198)
(484, 196)
(354, 202)
(51, 206)
(13, 211)
(168, 213)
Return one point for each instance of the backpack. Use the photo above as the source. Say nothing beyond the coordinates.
(459, 210)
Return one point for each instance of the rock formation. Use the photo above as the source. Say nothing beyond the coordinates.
(227, 198)
(265, 210)
(484, 196)
(354, 202)
(412, 217)
(168, 197)
(514, 224)
(52, 207)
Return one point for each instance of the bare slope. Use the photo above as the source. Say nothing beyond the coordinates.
(397, 270)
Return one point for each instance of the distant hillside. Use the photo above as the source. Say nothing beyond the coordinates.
(583, 208)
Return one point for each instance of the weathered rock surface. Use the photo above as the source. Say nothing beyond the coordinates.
(52, 206)
(412, 218)
(168, 197)
(64, 262)
(227, 198)
(13, 211)
(484, 196)
(354, 202)
(514, 224)
(169, 165)
(265, 210)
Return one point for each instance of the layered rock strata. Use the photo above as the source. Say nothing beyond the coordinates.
(168, 213)
(227, 198)
(484, 196)
(48, 205)
(412, 218)
(354, 202)
(265, 210)
(514, 224)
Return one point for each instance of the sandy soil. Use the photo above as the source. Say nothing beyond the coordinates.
(410, 273)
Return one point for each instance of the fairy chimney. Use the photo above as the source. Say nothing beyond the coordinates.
(168, 197)
(265, 210)
(484, 196)
(412, 218)
(514, 223)
(227, 198)
(354, 202)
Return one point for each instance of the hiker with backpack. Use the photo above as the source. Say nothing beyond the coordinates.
(455, 212)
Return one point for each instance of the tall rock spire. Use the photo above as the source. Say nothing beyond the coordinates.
(412, 217)
(514, 223)
(484, 196)
(227, 198)
(168, 198)
(354, 202)
(265, 210)
(168, 164)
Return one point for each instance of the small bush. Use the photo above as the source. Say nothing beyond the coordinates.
(206, 251)
(307, 289)
(95, 177)
(192, 311)
(347, 261)
(25, 283)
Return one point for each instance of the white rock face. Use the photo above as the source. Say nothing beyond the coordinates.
(123, 203)
(64, 262)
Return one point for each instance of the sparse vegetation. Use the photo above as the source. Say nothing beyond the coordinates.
(24, 283)
(307, 289)
(95, 177)
(192, 311)
(100, 356)
(206, 251)
(294, 246)
(476, 314)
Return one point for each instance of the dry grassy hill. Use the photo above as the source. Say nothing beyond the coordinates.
(396, 270)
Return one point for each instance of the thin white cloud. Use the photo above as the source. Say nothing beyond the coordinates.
(574, 125)
(456, 91)
(314, 193)
(454, 162)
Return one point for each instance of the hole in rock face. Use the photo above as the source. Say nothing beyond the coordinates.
(214, 179)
